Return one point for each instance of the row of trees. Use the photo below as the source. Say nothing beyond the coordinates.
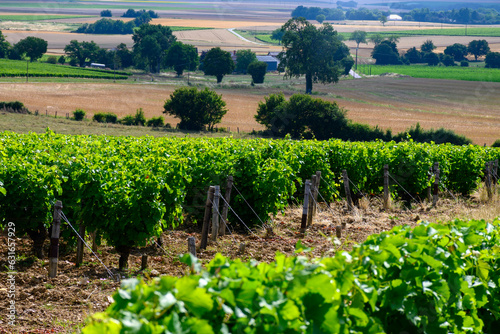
(337, 14)
(109, 26)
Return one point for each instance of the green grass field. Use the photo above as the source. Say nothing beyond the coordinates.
(66, 5)
(17, 68)
(39, 17)
(430, 72)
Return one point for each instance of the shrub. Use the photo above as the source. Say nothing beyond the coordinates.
(106, 13)
(448, 60)
(196, 109)
(139, 118)
(438, 136)
(52, 60)
(492, 60)
(111, 118)
(79, 114)
(496, 143)
(128, 120)
(257, 70)
(15, 107)
(61, 60)
(464, 63)
(155, 122)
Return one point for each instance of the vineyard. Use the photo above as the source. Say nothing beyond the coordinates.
(128, 190)
(17, 68)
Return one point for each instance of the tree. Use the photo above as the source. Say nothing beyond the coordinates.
(151, 43)
(457, 51)
(383, 20)
(4, 46)
(106, 13)
(315, 53)
(196, 109)
(79, 53)
(376, 39)
(277, 35)
(413, 55)
(359, 36)
(320, 18)
(427, 46)
(61, 60)
(143, 18)
(386, 53)
(478, 48)
(431, 58)
(492, 60)
(448, 60)
(243, 59)
(32, 47)
(124, 57)
(218, 63)
(182, 56)
(257, 70)
(301, 117)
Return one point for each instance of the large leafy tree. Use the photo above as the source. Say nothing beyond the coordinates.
(182, 56)
(478, 48)
(151, 43)
(457, 51)
(359, 36)
(386, 53)
(32, 47)
(316, 53)
(277, 35)
(195, 108)
(492, 60)
(427, 46)
(82, 52)
(218, 63)
(243, 59)
(4, 46)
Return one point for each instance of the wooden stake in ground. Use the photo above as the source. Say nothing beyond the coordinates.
(436, 184)
(206, 218)
(144, 262)
(307, 190)
(192, 245)
(487, 179)
(311, 201)
(79, 245)
(495, 172)
(215, 214)
(316, 191)
(54, 240)
(225, 207)
(347, 190)
(387, 195)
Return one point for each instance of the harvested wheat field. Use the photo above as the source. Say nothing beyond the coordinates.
(469, 108)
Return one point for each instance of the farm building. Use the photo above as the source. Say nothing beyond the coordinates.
(394, 17)
(272, 63)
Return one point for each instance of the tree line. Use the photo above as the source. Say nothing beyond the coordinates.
(109, 26)
(461, 16)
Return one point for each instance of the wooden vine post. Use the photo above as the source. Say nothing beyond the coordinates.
(487, 179)
(311, 201)
(495, 175)
(206, 217)
(347, 190)
(54, 240)
(192, 245)
(436, 184)
(307, 190)
(225, 207)
(144, 262)
(316, 191)
(387, 195)
(215, 214)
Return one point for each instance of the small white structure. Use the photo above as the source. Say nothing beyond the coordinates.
(394, 17)
(97, 65)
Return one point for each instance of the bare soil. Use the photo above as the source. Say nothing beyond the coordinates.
(61, 304)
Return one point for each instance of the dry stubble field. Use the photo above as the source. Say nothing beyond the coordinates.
(469, 108)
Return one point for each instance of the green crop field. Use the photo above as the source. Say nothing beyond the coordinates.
(17, 68)
(430, 72)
